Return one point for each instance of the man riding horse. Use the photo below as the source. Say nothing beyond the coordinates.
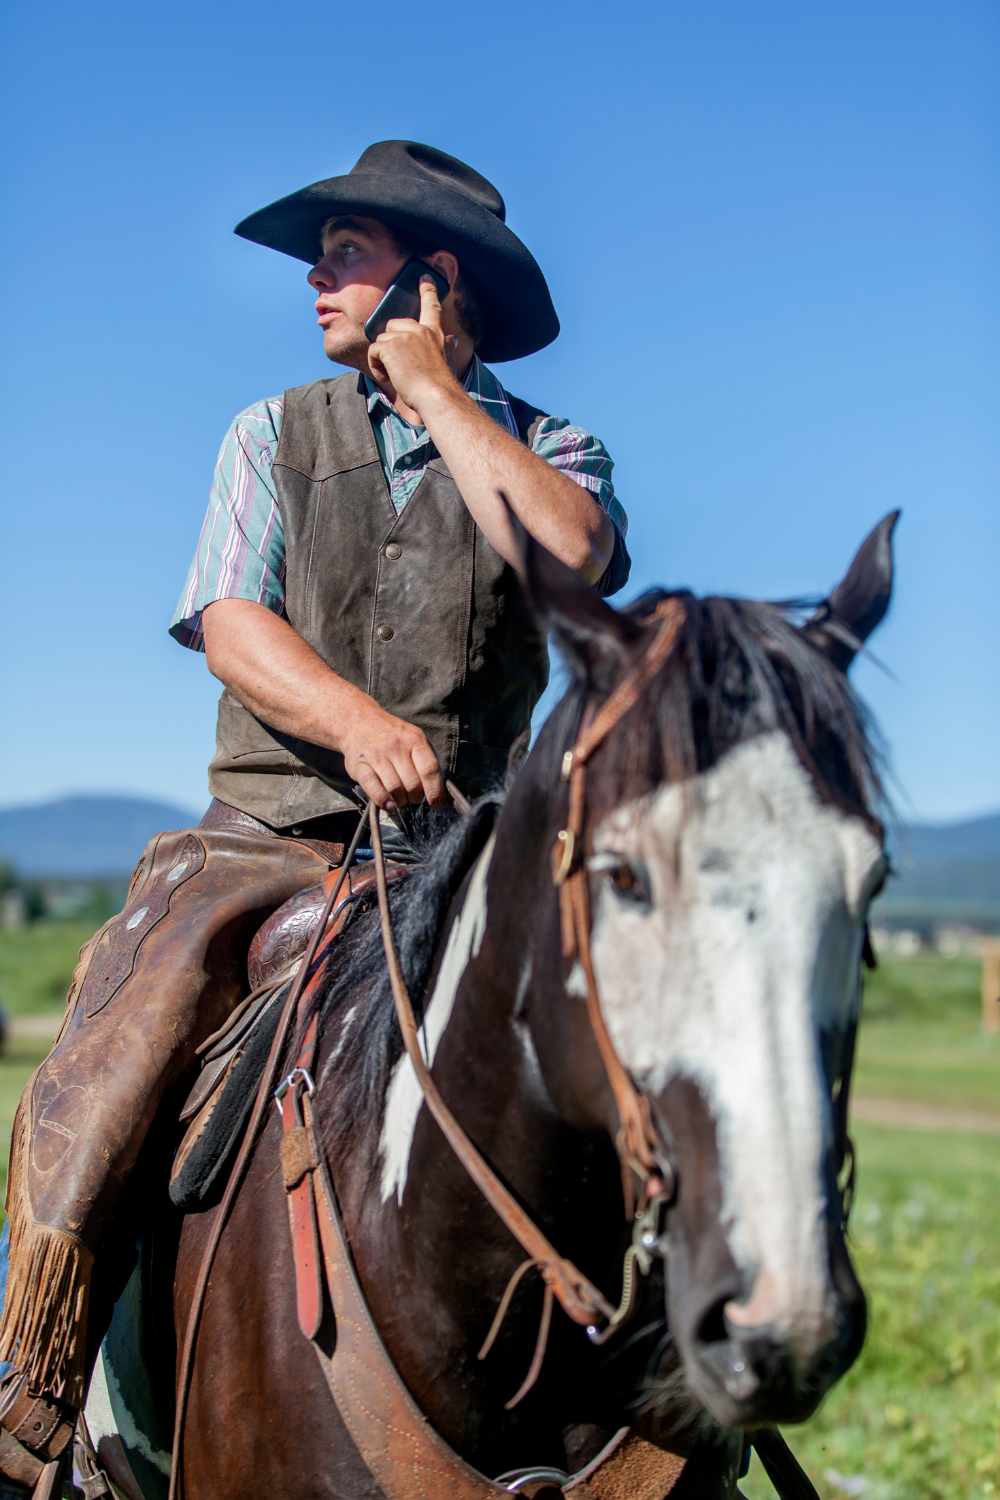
(354, 589)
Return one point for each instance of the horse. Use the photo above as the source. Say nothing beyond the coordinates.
(732, 846)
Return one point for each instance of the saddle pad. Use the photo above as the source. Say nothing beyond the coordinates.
(206, 1153)
(217, 1058)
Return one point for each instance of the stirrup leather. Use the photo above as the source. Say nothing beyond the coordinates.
(34, 1429)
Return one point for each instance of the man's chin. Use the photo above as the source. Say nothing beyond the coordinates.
(351, 350)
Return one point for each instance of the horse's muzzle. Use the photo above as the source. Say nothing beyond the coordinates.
(747, 1375)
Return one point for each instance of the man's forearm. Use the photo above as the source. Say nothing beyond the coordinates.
(484, 459)
(280, 678)
(412, 360)
(275, 673)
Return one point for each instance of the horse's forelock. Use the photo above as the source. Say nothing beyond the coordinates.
(740, 668)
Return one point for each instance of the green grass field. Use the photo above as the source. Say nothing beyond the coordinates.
(36, 965)
(921, 1039)
(917, 1418)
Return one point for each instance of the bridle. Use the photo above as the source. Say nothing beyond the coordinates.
(641, 1152)
(639, 1147)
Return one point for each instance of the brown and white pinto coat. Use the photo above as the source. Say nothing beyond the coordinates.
(733, 852)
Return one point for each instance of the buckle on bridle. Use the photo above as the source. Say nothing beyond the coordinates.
(295, 1076)
(563, 851)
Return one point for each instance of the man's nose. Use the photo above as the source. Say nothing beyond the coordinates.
(321, 278)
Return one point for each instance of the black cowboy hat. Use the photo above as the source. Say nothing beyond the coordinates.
(436, 196)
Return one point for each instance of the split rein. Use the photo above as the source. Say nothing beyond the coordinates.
(640, 1150)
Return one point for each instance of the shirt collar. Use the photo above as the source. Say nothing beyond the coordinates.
(481, 384)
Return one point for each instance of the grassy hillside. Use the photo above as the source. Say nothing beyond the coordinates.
(36, 965)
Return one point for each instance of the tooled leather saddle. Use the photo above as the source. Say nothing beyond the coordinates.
(218, 1107)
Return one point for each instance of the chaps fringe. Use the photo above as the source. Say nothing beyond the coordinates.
(45, 1313)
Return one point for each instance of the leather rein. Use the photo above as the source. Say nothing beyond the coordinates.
(639, 1148)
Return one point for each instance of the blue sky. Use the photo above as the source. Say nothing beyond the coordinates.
(771, 233)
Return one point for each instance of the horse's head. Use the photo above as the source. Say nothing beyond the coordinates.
(733, 852)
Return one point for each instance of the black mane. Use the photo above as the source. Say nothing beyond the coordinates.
(357, 1070)
(740, 669)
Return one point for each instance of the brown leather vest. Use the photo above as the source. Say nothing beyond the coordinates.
(417, 609)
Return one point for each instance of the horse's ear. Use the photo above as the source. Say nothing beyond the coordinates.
(594, 638)
(858, 604)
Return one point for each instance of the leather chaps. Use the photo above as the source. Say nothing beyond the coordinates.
(150, 986)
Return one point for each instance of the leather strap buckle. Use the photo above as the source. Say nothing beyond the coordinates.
(563, 853)
(295, 1076)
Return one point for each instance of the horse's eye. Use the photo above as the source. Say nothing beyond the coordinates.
(629, 879)
(882, 873)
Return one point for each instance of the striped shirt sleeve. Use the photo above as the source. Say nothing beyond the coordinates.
(576, 452)
(241, 550)
(584, 458)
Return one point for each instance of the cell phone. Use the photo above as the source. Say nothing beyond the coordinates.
(402, 300)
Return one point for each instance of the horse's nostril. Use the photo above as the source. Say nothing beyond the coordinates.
(730, 1363)
(712, 1328)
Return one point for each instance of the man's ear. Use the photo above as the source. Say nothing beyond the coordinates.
(445, 262)
(859, 603)
(595, 639)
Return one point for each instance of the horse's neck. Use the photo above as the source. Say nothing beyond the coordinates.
(408, 1189)
(433, 1257)
(468, 1038)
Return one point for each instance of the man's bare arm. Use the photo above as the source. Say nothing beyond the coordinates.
(483, 458)
(280, 678)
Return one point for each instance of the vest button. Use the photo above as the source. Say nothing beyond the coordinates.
(394, 550)
(385, 632)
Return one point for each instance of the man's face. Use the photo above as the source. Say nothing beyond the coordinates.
(360, 263)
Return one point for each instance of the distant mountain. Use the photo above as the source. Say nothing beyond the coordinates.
(85, 837)
(947, 871)
(978, 838)
(951, 870)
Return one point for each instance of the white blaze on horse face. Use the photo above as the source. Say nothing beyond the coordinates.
(404, 1096)
(751, 946)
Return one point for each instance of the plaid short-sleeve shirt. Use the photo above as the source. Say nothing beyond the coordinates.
(241, 550)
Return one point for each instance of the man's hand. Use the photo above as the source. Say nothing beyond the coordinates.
(280, 678)
(485, 460)
(416, 358)
(389, 758)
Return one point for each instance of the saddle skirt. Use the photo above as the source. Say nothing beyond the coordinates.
(233, 1059)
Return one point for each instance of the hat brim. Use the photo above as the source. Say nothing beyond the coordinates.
(522, 317)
